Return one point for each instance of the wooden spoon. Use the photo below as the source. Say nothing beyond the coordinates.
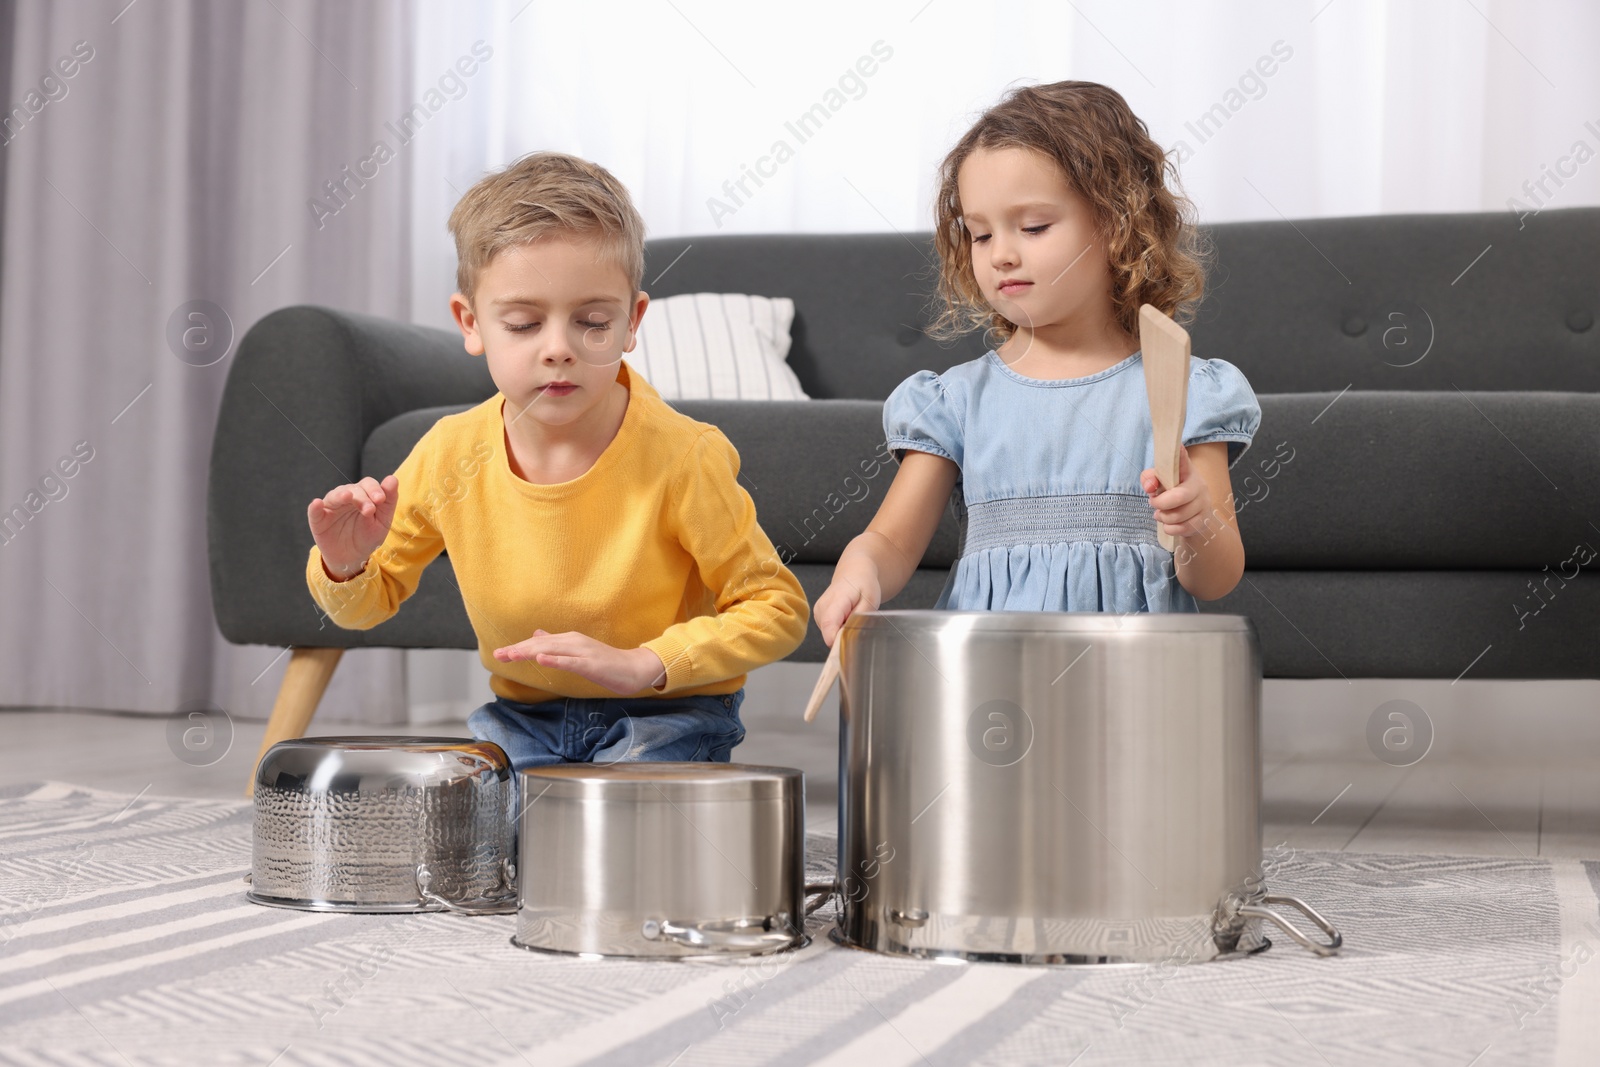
(830, 671)
(1165, 348)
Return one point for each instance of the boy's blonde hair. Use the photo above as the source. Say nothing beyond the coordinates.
(540, 195)
(1154, 246)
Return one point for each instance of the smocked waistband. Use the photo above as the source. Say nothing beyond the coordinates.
(1096, 517)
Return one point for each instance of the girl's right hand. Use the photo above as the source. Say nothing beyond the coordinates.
(844, 596)
(351, 522)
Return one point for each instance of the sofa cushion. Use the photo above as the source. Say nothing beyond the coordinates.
(730, 346)
(1420, 481)
(817, 471)
(1426, 302)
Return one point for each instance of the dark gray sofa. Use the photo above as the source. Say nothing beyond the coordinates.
(1417, 502)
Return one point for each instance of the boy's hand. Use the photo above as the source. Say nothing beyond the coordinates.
(839, 600)
(1179, 509)
(619, 670)
(351, 521)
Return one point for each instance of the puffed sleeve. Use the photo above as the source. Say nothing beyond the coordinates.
(1221, 407)
(921, 415)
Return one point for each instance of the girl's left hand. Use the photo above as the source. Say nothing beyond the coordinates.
(619, 670)
(1181, 509)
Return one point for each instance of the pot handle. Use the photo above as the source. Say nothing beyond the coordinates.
(826, 890)
(1255, 911)
(709, 936)
(502, 903)
(732, 937)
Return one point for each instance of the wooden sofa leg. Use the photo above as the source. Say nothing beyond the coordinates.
(304, 681)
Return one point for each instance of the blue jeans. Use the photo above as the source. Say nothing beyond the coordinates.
(611, 729)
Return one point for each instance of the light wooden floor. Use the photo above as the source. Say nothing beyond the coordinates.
(1505, 803)
(1450, 804)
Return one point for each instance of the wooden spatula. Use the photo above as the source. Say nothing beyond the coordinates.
(1165, 348)
(830, 671)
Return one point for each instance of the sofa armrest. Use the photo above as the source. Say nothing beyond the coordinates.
(306, 388)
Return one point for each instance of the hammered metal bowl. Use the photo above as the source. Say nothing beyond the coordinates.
(384, 824)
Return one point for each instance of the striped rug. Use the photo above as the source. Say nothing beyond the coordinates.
(125, 938)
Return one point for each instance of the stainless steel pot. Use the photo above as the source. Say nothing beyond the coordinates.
(1053, 787)
(384, 824)
(662, 859)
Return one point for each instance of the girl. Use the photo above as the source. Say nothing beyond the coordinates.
(1053, 225)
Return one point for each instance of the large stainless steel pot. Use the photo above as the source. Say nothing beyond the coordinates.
(1053, 787)
(662, 859)
(384, 824)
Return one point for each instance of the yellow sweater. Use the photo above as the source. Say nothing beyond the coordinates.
(655, 545)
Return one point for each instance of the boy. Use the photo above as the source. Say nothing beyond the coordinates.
(611, 565)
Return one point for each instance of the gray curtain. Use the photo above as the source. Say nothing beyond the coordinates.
(159, 154)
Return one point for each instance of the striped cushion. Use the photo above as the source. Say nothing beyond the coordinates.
(718, 346)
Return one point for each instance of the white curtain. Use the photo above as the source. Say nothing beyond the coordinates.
(1313, 108)
(174, 164)
(1276, 110)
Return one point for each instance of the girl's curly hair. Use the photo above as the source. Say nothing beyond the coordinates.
(1154, 246)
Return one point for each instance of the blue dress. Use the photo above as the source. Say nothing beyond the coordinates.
(1052, 515)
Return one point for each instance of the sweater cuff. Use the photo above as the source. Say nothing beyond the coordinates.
(325, 589)
(674, 654)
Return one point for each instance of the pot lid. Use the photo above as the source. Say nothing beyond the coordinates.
(662, 782)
